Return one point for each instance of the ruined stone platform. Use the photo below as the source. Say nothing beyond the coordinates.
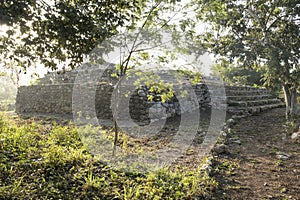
(53, 94)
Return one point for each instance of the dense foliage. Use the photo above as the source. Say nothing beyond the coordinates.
(238, 75)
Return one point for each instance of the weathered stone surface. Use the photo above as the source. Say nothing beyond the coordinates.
(54, 93)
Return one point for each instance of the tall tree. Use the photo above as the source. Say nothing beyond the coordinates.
(256, 33)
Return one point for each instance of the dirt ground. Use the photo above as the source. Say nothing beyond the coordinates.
(262, 162)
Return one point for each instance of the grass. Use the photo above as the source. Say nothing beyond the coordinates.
(227, 167)
(48, 161)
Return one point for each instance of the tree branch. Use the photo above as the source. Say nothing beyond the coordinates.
(125, 63)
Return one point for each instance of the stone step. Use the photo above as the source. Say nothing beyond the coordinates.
(249, 98)
(242, 87)
(246, 92)
(219, 92)
(254, 109)
(253, 103)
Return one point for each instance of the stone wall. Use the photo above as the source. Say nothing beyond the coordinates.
(45, 99)
(54, 93)
(7, 106)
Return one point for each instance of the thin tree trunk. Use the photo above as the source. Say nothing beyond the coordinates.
(116, 138)
(287, 96)
(116, 110)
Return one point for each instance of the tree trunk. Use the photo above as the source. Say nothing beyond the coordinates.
(290, 95)
(287, 97)
(116, 138)
(116, 110)
(294, 110)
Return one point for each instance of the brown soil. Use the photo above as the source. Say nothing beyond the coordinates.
(251, 168)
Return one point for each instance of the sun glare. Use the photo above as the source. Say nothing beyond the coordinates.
(3, 29)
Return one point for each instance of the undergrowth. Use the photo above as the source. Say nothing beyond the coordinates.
(48, 161)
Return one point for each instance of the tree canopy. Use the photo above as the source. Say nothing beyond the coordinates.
(257, 33)
(53, 32)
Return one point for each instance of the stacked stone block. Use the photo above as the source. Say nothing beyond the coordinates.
(250, 99)
(53, 95)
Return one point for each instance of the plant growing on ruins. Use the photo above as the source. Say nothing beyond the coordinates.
(257, 33)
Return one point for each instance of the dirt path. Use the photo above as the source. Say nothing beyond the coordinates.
(252, 168)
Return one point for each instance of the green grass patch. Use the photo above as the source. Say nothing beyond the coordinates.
(49, 161)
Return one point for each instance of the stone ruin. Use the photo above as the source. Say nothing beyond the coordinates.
(53, 95)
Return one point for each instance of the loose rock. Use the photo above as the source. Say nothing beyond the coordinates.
(283, 156)
(220, 149)
(231, 122)
(237, 142)
(296, 136)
